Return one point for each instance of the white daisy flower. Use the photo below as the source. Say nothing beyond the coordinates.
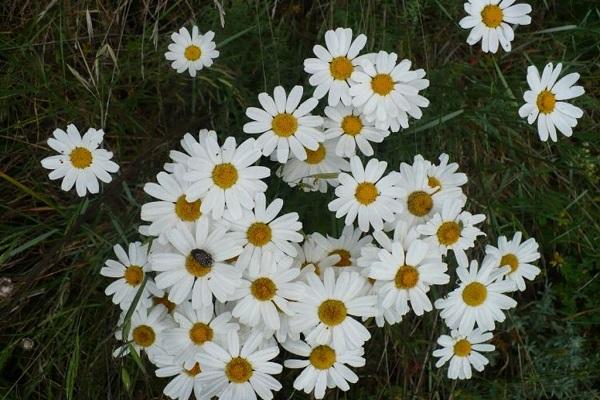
(347, 247)
(368, 194)
(545, 101)
(130, 271)
(313, 258)
(224, 176)
(453, 229)
(185, 381)
(261, 231)
(317, 171)
(463, 351)
(196, 327)
(232, 373)
(323, 366)
(388, 92)
(518, 256)
(146, 330)
(171, 208)
(325, 313)
(349, 125)
(80, 162)
(478, 298)
(331, 70)
(402, 277)
(197, 265)
(444, 176)
(189, 144)
(191, 52)
(285, 124)
(489, 22)
(266, 292)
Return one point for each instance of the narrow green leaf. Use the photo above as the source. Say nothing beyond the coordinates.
(72, 369)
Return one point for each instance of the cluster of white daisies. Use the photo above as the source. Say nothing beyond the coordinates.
(228, 277)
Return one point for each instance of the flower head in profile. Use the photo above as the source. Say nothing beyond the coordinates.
(518, 255)
(191, 52)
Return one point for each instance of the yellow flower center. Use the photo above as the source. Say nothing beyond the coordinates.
(546, 101)
(366, 193)
(143, 336)
(448, 233)
(406, 277)
(284, 125)
(344, 258)
(195, 370)
(81, 157)
(224, 175)
(201, 333)
(263, 289)
(198, 263)
(352, 125)
(474, 294)
(511, 260)
(332, 312)
(187, 211)
(259, 234)
(382, 84)
(433, 182)
(419, 203)
(134, 275)
(165, 302)
(315, 156)
(341, 68)
(492, 16)
(322, 357)
(316, 265)
(462, 348)
(192, 52)
(238, 370)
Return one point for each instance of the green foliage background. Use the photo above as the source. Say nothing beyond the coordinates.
(100, 63)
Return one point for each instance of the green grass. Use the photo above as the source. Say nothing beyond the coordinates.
(56, 68)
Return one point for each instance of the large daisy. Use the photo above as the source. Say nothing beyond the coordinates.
(284, 124)
(198, 265)
(545, 101)
(367, 194)
(518, 256)
(262, 231)
(80, 162)
(224, 176)
(463, 351)
(353, 130)
(331, 70)
(323, 366)
(347, 247)
(479, 298)
(325, 313)
(489, 21)
(191, 52)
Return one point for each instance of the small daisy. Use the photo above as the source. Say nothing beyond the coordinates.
(80, 162)
(130, 271)
(224, 176)
(186, 380)
(518, 256)
(191, 52)
(453, 229)
(368, 194)
(313, 258)
(352, 129)
(478, 299)
(444, 176)
(331, 70)
(325, 313)
(146, 330)
(285, 124)
(318, 171)
(197, 265)
(261, 231)
(189, 144)
(266, 292)
(232, 373)
(323, 366)
(196, 327)
(402, 277)
(347, 247)
(545, 101)
(463, 351)
(489, 22)
(171, 208)
(385, 91)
